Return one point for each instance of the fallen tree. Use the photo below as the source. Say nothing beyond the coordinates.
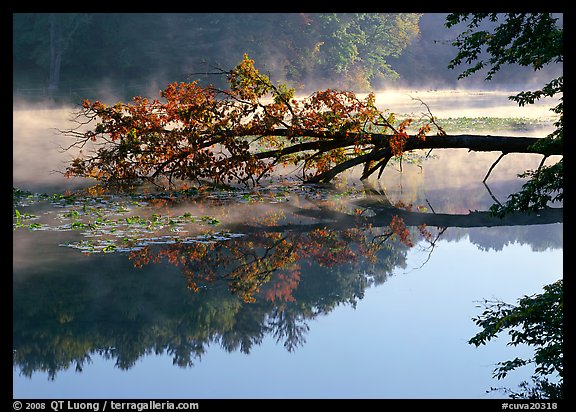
(244, 133)
(378, 157)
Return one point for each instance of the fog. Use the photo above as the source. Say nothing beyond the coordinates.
(71, 304)
(38, 154)
(424, 64)
(38, 158)
(152, 50)
(446, 103)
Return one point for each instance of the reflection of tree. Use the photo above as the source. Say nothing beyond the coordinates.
(538, 237)
(289, 327)
(248, 264)
(290, 278)
(281, 276)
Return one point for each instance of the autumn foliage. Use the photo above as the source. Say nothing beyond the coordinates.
(238, 135)
(268, 264)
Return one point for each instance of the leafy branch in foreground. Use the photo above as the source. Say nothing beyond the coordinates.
(545, 185)
(241, 134)
(234, 135)
(537, 321)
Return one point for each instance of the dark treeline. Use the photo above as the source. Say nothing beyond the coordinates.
(71, 50)
(139, 53)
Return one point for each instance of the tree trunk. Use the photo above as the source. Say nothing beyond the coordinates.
(55, 57)
(478, 143)
(62, 30)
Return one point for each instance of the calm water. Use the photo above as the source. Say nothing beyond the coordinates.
(289, 291)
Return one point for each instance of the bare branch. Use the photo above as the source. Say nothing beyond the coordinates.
(493, 165)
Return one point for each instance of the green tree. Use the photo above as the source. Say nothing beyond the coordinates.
(530, 40)
(525, 39)
(536, 321)
(355, 47)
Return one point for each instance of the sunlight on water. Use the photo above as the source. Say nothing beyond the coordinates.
(463, 103)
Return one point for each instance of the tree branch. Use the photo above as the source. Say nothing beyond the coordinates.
(493, 165)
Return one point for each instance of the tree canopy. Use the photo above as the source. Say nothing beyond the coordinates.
(536, 320)
(238, 134)
(350, 49)
(243, 133)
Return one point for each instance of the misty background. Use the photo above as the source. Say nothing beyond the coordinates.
(64, 58)
(72, 56)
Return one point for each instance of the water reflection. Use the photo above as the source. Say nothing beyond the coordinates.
(188, 290)
(291, 265)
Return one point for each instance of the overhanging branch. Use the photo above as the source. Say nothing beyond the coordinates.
(381, 143)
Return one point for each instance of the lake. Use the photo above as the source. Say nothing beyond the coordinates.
(284, 291)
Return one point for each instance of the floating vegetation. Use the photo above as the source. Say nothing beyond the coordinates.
(485, 123)
(126, 244)
(111, 223)
(126, 222)
(20, 218)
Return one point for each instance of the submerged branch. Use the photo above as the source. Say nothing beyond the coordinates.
(493, 165)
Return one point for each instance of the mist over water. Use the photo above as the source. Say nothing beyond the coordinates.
(64, 298)
(38, 154)
(39, 158)
(102, 304)
(451, 103)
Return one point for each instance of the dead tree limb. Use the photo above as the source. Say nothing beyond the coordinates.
(493, 165)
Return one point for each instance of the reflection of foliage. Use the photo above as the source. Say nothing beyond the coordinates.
(288, 277)
(247, 265)
(536, 321)
(538, 237)
(290, 271)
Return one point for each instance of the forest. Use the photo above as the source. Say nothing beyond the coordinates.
(67, 49)
(73, 56)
